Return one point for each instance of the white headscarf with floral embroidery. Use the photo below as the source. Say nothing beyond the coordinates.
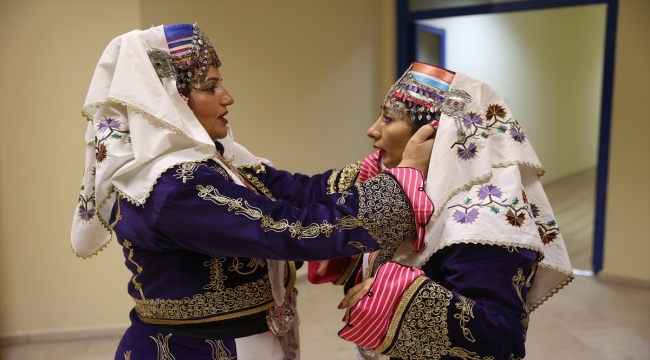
(486, 190)
(139, 126)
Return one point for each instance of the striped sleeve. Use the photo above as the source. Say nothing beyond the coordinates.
(369, 167)
(370, 317)
(412, 182)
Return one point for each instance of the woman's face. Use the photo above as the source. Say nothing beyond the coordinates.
(209, 104)
(391, 132)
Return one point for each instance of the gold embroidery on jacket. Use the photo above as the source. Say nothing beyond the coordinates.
(361, 247)
(419, 328)
(253, 263)
(220, 302)
(465, 306)
(254, 180)
(331, 182)
(137, 285)
(518, 281)
(220, 351)
(348, 176)
(385, 211)
(466, 354)
(296, 229)
(341, 200)
(163, 347)
(127, 355)
(221, 171)
(186, 171)
(259, 168)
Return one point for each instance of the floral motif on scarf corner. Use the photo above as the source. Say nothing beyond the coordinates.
(490, 199)
(548, 230)
(86, 204)
(107, 130)
(478, 126)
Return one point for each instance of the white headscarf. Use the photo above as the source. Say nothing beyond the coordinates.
(484, 183)
(139, 126)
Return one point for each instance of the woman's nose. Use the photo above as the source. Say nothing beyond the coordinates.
(373, 132)
(226, 99)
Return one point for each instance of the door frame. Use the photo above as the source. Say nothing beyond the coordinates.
(406, 54)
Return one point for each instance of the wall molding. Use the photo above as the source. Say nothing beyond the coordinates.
(62, 335)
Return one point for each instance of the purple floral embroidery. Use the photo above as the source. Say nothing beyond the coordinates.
(517, 134)
(85, 213)
(109, 128)
(466, 218)
(534, 210)
(490, 197)
(489, 190)
(467, 153)
(108, 123)
(86, 207)
(472, 119)
(480, 126)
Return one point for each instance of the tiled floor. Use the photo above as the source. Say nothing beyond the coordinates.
(586, 320)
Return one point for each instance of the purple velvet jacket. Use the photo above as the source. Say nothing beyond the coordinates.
(197, 248)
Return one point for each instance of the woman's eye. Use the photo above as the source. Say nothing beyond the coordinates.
(210, 89)
(387, 119)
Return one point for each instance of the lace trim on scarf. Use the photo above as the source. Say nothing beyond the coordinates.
(466, 187)
(113, 102)
(556, 289)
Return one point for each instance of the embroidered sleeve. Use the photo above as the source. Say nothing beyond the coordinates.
(207, 214)
(297, 189)
(342, 180)
(413, 183)
(475, 308)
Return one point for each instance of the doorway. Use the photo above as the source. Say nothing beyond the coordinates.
(551, 66)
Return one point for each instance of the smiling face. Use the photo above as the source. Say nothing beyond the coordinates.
(209, 103)
(391, 132)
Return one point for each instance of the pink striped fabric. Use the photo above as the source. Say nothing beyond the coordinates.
(369, 167)
(370, 316)
(412, 182)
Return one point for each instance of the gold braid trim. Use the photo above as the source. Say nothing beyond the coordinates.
(254, 180)
(557, 288)
(540, 169)
(331, 181)
(259, 168)
(349, 176)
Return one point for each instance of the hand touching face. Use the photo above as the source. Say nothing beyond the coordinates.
(391, 132)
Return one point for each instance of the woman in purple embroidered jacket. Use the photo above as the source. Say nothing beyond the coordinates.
(206, 226)
(492, 251)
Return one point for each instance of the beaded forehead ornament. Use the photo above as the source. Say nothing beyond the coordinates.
(189, 58)
(425, 92)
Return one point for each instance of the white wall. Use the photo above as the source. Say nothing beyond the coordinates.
(547, 65)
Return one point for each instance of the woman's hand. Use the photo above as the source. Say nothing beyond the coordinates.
(322, 267)
(354, 295)
(418, 150)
